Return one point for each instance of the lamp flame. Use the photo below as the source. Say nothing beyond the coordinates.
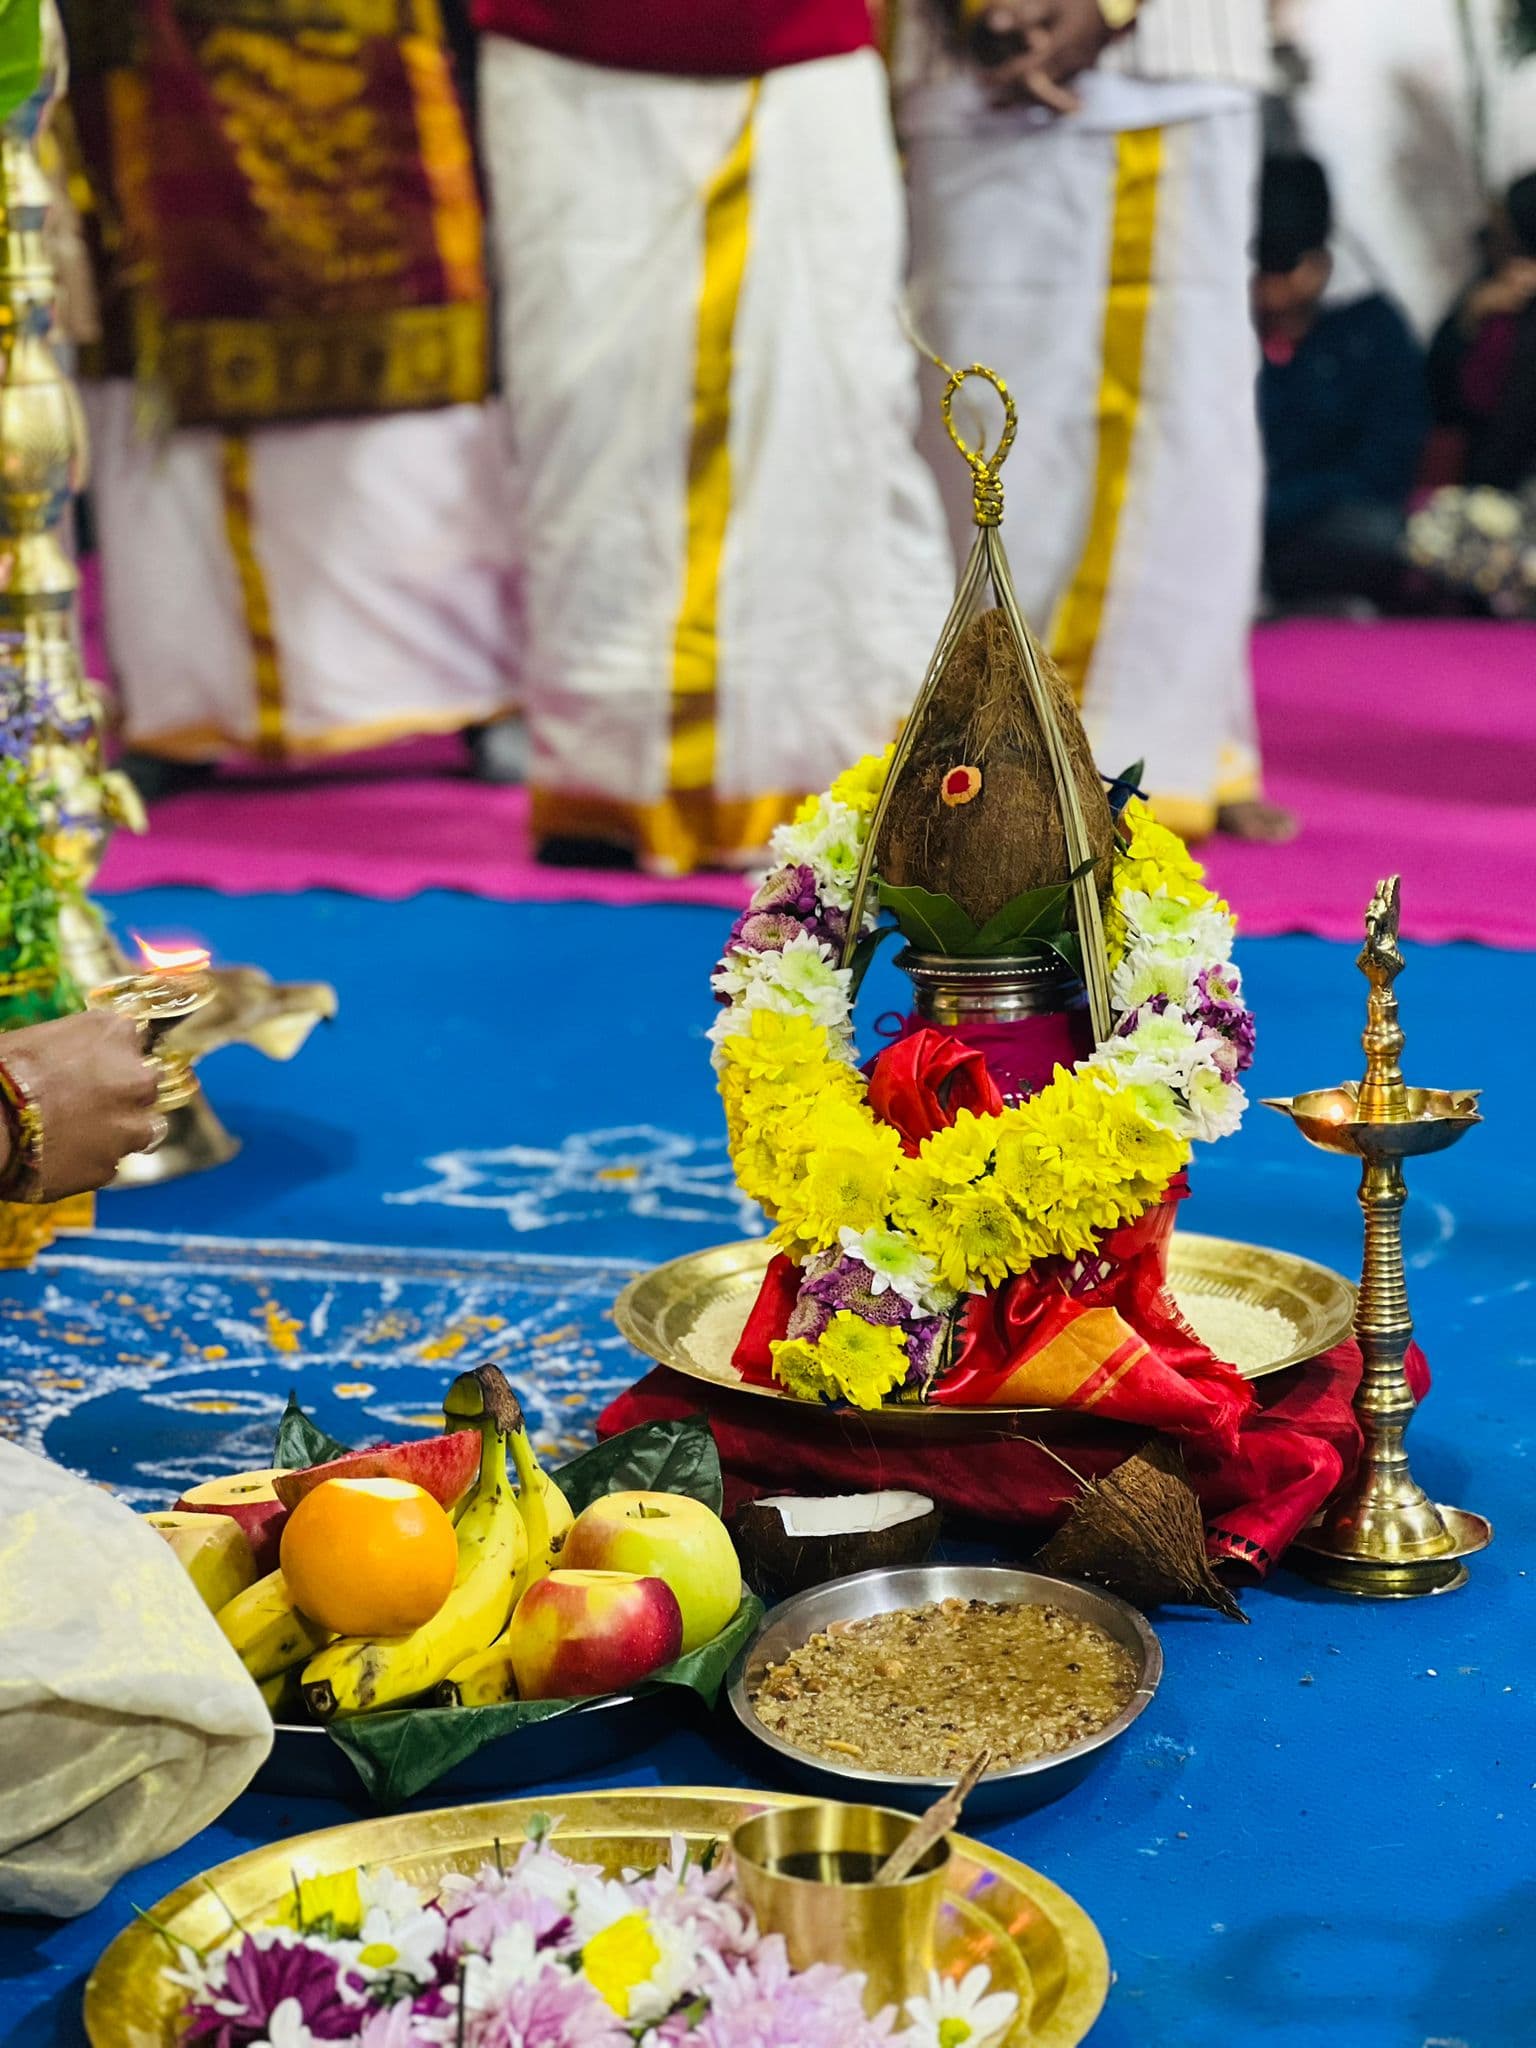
(172, 959)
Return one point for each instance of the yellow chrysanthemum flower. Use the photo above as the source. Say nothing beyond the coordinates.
(619, 1959)
(777, 1045)
(797, 1368)
(961, 1153)
(333, 1903)
(1139, 1148)
(865, 1361)
(859, 786)
(1156, 858)
(846, 1184)
(980, 1238)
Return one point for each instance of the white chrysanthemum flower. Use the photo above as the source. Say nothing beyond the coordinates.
(830, 844)
(807, 969)
(678, 1970)
(1161, 1048)
(792, 845)
(895, 1264)
(513, 1959)
(1216, 1104)
(967, 2014)
(286, 2028)
(396, 1944)
(1148, 971)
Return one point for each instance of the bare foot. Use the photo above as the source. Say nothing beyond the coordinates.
(1255, 819)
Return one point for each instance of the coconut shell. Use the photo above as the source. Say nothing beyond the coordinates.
(777, 1563)
(1009, 836)
(1139, 1531)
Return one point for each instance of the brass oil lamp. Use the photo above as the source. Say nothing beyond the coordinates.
(1383, 1538)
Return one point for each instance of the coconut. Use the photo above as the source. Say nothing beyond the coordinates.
(792, 1542)
(998, 831)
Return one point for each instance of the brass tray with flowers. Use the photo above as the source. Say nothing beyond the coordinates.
(378, 1930)
(1260, 1309)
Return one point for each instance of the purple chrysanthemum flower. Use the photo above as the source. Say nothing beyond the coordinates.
(763, 2004)
(764, 931)
(405, 2025)
(791, 889)
(839, 1283)
(551, 2010)
(923, 1340)
(498, 1903)
(1221, 1007)
(261, 1971)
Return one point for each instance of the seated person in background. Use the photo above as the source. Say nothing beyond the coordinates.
(1482, 362)
(1342, 404)
(1478, 539)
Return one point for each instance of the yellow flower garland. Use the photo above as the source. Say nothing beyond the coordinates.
(985, 1198)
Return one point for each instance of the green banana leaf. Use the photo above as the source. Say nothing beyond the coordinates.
(658, 1457)
(398, 1755)
(302, 1443)
(21, 52)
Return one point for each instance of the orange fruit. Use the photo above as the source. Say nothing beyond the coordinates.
(369, 1557)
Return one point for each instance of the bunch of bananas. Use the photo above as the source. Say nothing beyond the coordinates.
(507, 1538)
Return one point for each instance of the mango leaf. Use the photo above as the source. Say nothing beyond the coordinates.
(658, 1457)
(302, 1443)
(864, 955)
(1030, 915)
(934, 924)
(399, 1754)
(21, 52)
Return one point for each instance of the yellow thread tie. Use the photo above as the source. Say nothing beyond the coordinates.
(986, 479)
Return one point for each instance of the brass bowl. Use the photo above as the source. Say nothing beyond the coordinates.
(689, 1313)
(1018, 1789)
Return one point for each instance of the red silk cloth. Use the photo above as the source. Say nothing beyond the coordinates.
(1295, 1447)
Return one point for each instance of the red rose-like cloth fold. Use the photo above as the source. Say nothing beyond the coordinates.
(1295, 1448)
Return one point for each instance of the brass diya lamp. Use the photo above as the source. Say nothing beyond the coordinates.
(1383, 1537)
(188, 1008)
(172, 986)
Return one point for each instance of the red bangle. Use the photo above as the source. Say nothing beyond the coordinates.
(22, 1177)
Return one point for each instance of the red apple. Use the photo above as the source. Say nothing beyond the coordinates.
(663, 1536)
(251, 1499)
(578, 1633)
(444, 1466)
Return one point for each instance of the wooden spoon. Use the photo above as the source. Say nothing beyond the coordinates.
(932, 1826)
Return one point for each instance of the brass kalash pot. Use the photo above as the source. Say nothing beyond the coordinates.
(959, 995)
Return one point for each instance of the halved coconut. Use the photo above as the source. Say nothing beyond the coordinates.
(790, 1542)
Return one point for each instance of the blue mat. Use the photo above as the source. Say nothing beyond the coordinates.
(1323, 1830)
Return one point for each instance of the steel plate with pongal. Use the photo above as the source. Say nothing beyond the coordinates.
(1047, 1688)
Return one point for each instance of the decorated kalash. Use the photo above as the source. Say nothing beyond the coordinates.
(974, 1283)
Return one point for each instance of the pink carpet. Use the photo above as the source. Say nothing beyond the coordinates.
(1403, 745)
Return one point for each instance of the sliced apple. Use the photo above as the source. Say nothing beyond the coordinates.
(249, 1498)
(444, 1466)
(214, 1551)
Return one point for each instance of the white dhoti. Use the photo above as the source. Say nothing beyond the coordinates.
(735, 560)
(303, 589)
(1100, 263)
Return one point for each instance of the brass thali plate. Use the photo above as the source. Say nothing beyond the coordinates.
(1036, 1941)
(689, 1314)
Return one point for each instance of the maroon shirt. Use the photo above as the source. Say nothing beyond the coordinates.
(689, 38)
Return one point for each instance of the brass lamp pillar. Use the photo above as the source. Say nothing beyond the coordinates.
(42, 467)
(1383, 1537)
